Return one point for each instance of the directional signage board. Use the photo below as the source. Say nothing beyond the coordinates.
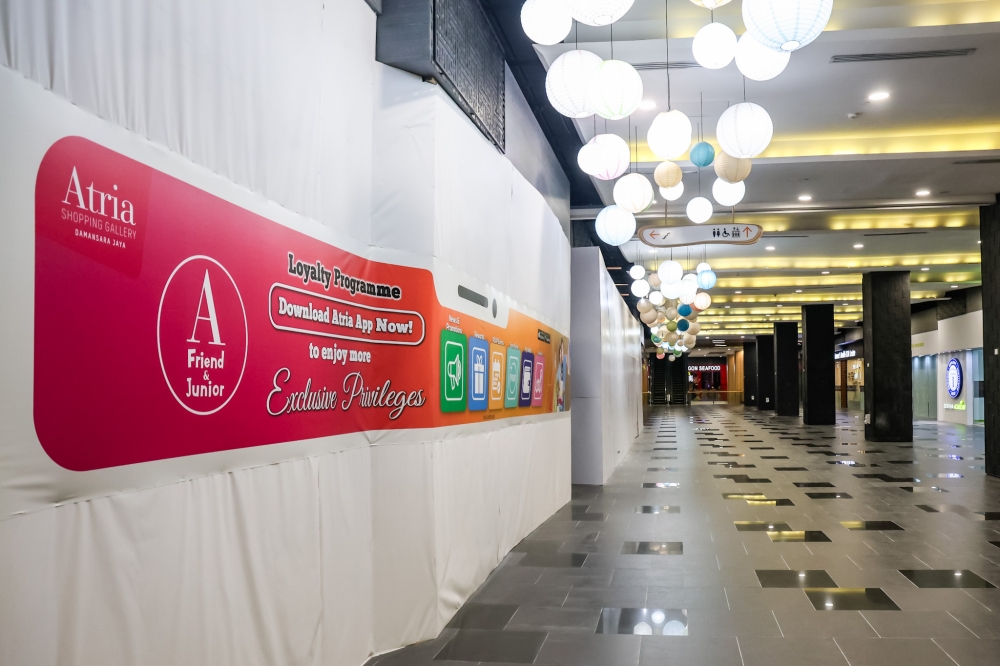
(703, 234)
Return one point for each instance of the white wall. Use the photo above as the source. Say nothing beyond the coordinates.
(606, 353)
(315, 552)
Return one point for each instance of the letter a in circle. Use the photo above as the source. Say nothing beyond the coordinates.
(209, 301)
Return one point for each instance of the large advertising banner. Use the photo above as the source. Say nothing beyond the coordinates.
(170, 322)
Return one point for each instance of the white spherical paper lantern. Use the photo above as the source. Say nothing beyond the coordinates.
(786, 25)
(567, 83)
(643, 305)
(614, 90)
(756, 61)
(744, 130)
(732, 169)
(689, 289)
(669, 135)
(668, 174)
(707, 279)
(654, 280)
(615, 225)
(714, 46)
(672, 193)
(656, 298)
(671, 292)
(703, 266)
(640, 288)
(599, 12)
(633, 192)
(699, 210)
(546, 21)
(670, 272)
(637, 272)
(604, 157)
(702, 301)
(728, 194)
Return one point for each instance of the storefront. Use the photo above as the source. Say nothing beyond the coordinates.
(948, 370)
(708, 379)
(849, 375)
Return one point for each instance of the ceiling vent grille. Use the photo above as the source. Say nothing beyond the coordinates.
(679, 64)
(904, 55)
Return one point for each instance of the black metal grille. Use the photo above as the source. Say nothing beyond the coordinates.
(471, 62)
(903, 55)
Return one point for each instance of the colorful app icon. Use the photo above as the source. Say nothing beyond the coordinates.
(479, 351)
(453, 352)
(527, 375)
(497, 357)
(538, 383)
(513, 377)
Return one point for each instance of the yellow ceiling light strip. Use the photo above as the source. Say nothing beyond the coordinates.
(788, 281)
(911, 219)
(819, 263)
(917, 140)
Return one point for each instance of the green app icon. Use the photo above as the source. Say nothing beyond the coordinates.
(513, 377)
(453, 351)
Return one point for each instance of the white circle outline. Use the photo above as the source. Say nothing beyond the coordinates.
(246, 334)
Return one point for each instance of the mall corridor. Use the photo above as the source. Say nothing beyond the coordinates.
(732, 538)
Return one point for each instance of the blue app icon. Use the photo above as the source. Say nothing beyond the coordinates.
(527, 377)
(478, 374)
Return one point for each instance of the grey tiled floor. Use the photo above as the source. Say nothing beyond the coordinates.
(703, 604)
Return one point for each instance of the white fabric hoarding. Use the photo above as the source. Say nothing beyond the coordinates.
(607, 370)
(320, 551)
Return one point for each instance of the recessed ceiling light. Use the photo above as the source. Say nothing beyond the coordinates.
(846, 303)
(739, 292)
(858, 246)
(779, 305)
(925, 268)
(647, 104)
(826, 272)
(979, 242)
(769, 248)
(805, 197)
(798, 291)
(727, 307)
(923, 193)
(954, 286)
(878, 96)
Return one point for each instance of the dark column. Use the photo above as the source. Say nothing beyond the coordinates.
(888, 377)
(786, 368)
(818, 407)
(765, 372)
(989, 233)
(750, 374)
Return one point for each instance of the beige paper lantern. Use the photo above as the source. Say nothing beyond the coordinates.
(732, 169)
(649, 317)
(667, 174)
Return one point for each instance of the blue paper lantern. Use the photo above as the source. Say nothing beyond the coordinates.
(702, 154)
(707, 279)
(684, 310)
(683, 325)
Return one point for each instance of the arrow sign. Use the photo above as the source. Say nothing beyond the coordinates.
(705, 234)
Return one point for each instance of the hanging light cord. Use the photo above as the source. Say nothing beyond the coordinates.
(666, 32)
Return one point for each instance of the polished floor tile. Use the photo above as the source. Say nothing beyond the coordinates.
(643, 621)
(945, 578)
(792, 578)
(850, 599)
(595, 562)
(798, 535)
(573, 560)
(657, 509)
(760, 526)
(870, 525)
(652, 548)
(511, 647)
